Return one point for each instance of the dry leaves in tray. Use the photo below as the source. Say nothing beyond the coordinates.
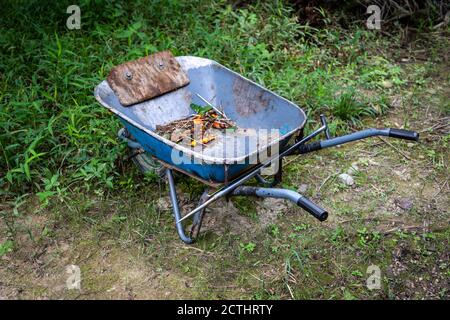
(197, 129)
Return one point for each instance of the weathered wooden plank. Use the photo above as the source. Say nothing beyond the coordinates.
(147, 77)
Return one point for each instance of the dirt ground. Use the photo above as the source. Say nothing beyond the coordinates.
(396, 216)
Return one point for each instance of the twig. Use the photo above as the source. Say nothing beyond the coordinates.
(292, 159)
(376, 189)
(358, 220)
(209, 104)
(290, 291)
(436, 126)
(440, 189)
(326, 180)
(445, 22)
(199, 250)
(381, 219)
(407, 228)
(395, 148)
(260, 280)
(419, 228)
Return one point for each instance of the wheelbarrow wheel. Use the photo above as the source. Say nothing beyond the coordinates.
(144, 161)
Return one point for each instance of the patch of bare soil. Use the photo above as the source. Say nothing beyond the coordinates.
(223, 216)
(413, 279)
(106, 272)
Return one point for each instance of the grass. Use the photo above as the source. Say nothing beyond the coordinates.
(64, 174)
(55, 134)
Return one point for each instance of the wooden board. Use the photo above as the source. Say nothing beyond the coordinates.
(146, 78)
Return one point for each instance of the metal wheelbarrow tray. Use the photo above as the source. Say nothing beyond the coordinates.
(253, 108)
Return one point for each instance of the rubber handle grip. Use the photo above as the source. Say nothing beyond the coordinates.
(312, 208)
(404, 134)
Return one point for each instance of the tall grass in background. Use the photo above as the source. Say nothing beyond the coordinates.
(54, 136)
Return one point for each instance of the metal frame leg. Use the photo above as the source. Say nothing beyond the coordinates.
(198, 217)
(277, 178)
(176, 209)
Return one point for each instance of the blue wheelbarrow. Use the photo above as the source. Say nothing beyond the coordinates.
(252, 108)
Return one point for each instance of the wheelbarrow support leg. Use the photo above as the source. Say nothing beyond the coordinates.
(198, 217)
(293, 196)
(176, 209)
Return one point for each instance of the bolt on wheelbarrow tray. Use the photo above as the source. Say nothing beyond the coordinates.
(269, 128)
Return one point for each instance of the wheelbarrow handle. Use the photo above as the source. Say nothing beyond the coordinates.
(358, 135)
(291, 195)
(404, 134)
(312, 208)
